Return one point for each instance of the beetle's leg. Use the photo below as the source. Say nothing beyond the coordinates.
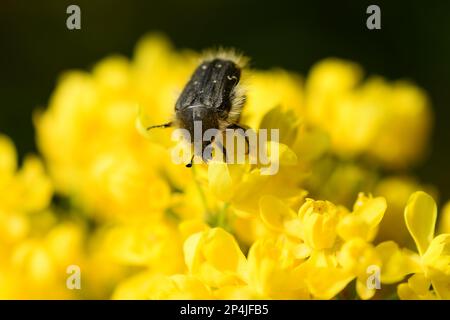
(220, 145)
(235, 126)
(224, 150)
(208, 157)
(165, 125)
(190, 163)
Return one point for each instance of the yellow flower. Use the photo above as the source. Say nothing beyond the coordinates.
(156, 245)
(315, 223)
(275, 272)
(328, 80)
(420, 218)
(319, 220)
(25, 194)
(356, 256)
(374, 118)
(215, 258)
(396, 262)
(27, 190)
(37, 267)
(364, 220)
(405, 127)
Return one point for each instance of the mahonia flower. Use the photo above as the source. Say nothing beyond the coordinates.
(26, 190)
(38, 265)
(420, 218)
(157, 246)
(33, 260)
(274, 270)
(374, 118)
(214, 257)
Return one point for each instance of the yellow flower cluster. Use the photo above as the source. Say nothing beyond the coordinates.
(110, 200)
(30, 259)
(374, 118)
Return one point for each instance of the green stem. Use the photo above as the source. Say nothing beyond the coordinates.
(222, 215)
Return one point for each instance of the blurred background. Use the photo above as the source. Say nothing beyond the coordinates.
(414, 44)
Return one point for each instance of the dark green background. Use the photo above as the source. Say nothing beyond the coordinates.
(414, 43)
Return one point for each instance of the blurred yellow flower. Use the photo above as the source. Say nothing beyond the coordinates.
(389, 122)
(26, 190)
(157, 287)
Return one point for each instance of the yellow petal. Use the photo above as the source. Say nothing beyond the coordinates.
(37, 187)
(191, 250)
(276, 155)
(364, 292)
(420, 218)
(405, 292)
(419, 283)
(357, 256)
(352, 226)
(248, 192)
(326, 283)
(214, 257)
(220, 181)
(274, 272)
(396, 263)
(222, 250)
(370, 209)
(285, 156)
(417, 288)
(274, 212)
(442, 288)
(437, 262)
(284, 121)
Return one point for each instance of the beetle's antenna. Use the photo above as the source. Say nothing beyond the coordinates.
(165, 125)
